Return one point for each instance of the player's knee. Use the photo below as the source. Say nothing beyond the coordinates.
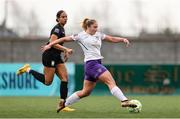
(48, 83)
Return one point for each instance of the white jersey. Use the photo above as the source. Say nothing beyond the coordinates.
(91, 44)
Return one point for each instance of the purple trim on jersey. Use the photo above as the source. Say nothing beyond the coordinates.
(93, 69)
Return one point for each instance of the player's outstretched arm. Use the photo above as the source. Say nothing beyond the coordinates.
(64, 39)
(56, 46)
(116, 39)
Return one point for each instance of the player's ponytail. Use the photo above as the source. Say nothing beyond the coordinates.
(87, 23)
(84, 23)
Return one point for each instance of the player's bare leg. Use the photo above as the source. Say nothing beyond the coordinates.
(107, 78)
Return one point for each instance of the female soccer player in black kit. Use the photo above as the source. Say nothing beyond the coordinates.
(52, 60)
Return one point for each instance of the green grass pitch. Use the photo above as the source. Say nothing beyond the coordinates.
(90, 107)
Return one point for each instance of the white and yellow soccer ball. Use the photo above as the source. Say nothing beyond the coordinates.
(136, 109)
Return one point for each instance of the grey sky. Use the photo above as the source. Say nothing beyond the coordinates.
(121, 16)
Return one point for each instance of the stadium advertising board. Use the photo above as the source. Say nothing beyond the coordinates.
(141, 79)
(26, 85)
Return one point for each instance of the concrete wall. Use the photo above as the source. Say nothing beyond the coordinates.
(141, 51)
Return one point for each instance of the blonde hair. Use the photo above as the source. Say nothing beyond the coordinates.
(87, 23)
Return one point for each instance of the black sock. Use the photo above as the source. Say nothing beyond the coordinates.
(63, 90)
(40, 77)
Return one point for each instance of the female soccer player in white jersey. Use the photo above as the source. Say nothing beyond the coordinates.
(90, 41)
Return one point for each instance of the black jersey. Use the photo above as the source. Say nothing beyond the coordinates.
(59, 31)
(52, 56)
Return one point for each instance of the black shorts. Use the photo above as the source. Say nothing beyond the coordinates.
(51, 58)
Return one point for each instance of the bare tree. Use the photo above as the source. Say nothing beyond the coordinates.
(139, 17)
(165, 24)
(5, 14)
(33, 25)
(99, 11)
(19, 18)
(25, 24)
(104, 12)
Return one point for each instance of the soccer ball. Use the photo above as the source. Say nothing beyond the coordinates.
(136, 109)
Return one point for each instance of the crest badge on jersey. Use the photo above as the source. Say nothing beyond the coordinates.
(99, 70)
(56, 30)
(52, 63)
